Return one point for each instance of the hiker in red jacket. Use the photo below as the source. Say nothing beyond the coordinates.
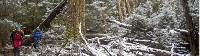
(16, 38)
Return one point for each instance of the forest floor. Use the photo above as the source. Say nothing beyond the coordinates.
(51, 45)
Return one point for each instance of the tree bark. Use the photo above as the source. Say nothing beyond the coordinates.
(193, 38)
(75, 17)
(120, 14)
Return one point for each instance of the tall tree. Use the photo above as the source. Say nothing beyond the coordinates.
(192, 34)
(125, 8)
(120, 17)
(75, 17)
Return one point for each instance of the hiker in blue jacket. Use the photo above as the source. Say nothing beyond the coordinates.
(37, 34)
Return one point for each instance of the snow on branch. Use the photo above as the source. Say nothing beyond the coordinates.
(183, 32)
(143, 48)
(120, 24)
(95, 52)
(90, 49)
(95, 35)
(174, 30)
(145, 41)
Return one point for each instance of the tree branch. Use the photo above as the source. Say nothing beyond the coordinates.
(183, 32)
(120, 24)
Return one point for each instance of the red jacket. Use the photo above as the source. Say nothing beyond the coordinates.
(17, 39)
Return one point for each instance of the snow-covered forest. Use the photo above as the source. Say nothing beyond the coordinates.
(102, 27)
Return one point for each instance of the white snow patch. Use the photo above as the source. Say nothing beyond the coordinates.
(94, 51)
(172, 31)
(117, 22)
(182, 30)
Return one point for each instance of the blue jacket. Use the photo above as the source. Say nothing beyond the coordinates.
(37, 35)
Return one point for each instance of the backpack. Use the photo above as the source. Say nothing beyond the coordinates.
(17, 39)
(17, 36)
(37, 34)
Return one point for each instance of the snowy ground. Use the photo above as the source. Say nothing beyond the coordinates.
(98, 46)
(107, 45)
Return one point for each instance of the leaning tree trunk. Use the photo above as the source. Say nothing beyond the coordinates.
(57, 10)
(191, 29)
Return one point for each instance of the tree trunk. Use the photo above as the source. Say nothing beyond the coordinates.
(57, 10)
(75, 17)
(190, 27)
(124, 9)
(120, 16)
(128, 7)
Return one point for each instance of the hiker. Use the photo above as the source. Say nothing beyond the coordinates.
(16, 37)
(37, 34)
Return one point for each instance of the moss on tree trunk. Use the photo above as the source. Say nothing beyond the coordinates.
(74, 16)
